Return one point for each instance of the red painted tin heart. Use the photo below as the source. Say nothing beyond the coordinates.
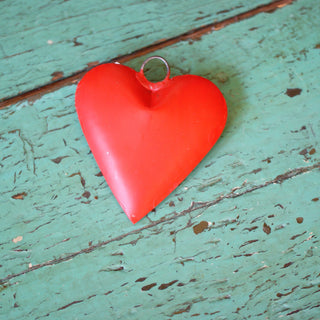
(147, 137)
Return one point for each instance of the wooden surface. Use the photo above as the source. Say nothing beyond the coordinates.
(238, 239)
(40, 41)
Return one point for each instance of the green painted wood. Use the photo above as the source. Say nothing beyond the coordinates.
(228, 243)
(46, 40)
(168, 271)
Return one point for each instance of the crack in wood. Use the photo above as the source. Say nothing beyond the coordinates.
(169, 219)
(192, 35)
(70, 304)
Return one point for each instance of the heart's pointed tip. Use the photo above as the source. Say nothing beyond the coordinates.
(136, 215)
(133, 218)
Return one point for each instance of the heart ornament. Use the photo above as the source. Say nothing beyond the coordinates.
(147, 137)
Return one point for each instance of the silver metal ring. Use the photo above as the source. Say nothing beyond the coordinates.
(159, 58)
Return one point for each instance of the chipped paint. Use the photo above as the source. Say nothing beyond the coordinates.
(17, 239)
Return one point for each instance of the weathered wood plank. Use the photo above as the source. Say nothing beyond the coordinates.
(233, 268)
(169, 268)
(48, 41)
(239, 250)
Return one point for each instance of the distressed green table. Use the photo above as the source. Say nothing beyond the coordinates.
(238, 239)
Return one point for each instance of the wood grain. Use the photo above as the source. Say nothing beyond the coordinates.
(238, 239)
(103, 32)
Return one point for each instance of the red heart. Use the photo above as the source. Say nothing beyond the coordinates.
(147, 137)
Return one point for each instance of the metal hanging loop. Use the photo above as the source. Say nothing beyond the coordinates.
(159, 58)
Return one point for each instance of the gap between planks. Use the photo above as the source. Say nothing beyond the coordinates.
(169, 219)
(194, 34)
